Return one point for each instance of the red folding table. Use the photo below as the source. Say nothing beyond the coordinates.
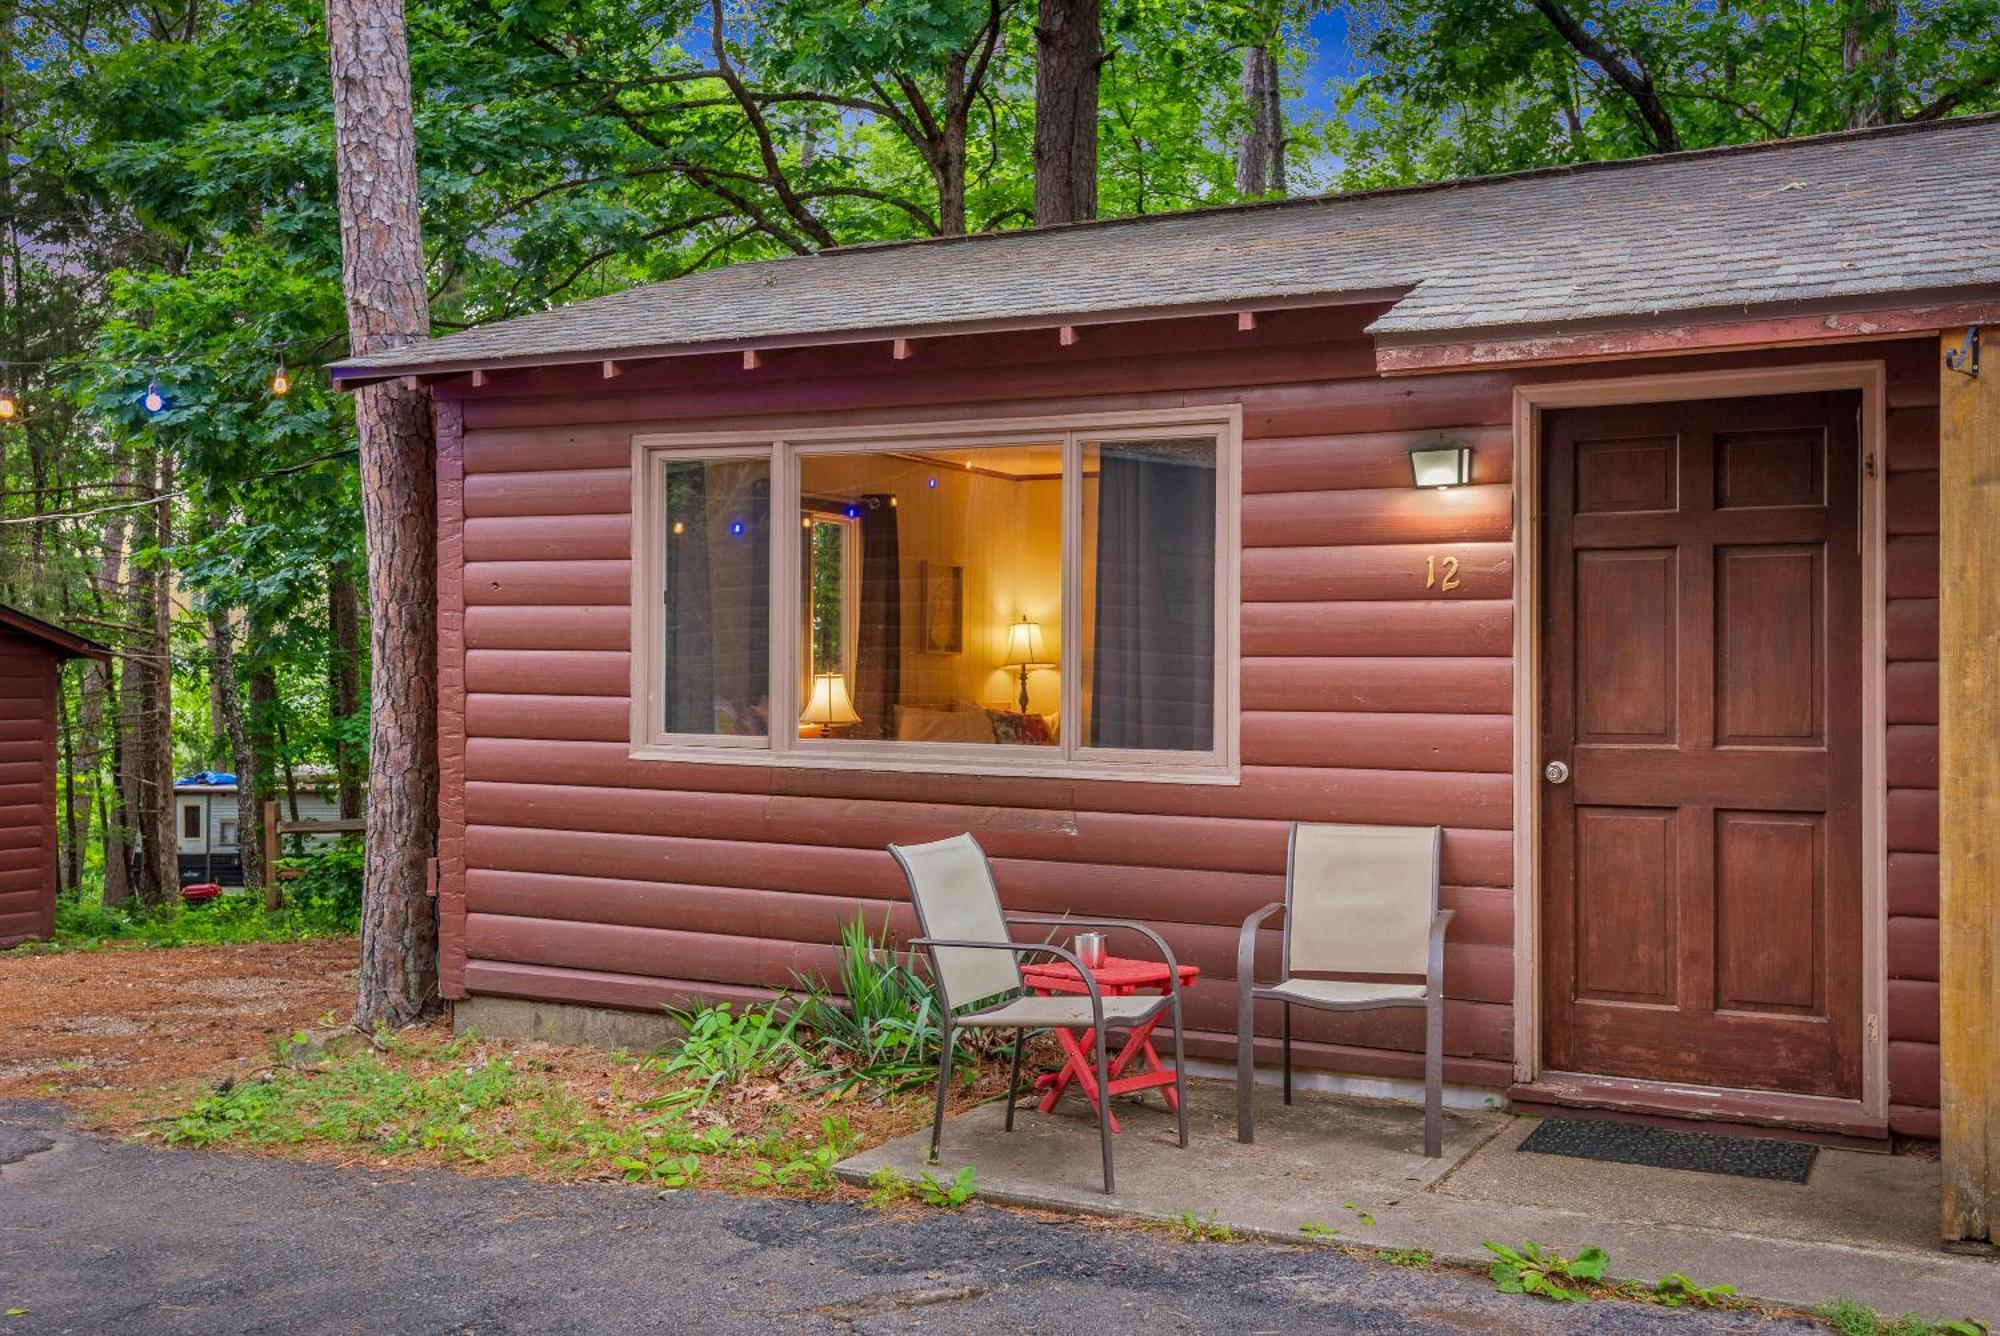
(1116, 977)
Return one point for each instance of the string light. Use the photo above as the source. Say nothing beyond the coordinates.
(281, 384)
(8, 404)
(152, 400)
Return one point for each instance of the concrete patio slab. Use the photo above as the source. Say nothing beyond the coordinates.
(1863, 1227)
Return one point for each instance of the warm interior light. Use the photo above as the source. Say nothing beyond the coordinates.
(1025, 650)
(1024, 646)
(829, 706)
(1444, 465)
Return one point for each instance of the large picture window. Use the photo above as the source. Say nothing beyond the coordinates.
(1049, 598)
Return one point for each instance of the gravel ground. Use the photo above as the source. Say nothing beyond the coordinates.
(103, 1236)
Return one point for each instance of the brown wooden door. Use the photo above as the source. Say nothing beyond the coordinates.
(1701, 669)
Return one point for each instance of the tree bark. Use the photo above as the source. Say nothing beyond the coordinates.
(260, 728)
(229, 705)
(94, 689)
(383, 273)
(152, 814)
(1260, 158)
(343, 605)
(1069, 49)
(1868, 59)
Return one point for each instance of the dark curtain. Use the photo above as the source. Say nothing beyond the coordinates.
(1152, 679)
(717, 637)
(878, 642)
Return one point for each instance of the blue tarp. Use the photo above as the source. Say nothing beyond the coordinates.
(205, 777)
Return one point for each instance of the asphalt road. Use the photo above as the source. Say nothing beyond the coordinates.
(101, 1236)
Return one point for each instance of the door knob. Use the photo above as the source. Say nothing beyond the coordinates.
(1556, 772)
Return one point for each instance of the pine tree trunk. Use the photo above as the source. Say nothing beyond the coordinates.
(383, 273)
(229, 704)
(96, 683)
(1868, 59)
(343, 603)
(1260, 158)
(152, 813)
(115, 816)
(260, 730)
(1068, 52)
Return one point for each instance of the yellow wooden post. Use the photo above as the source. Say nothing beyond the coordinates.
(1969, 798)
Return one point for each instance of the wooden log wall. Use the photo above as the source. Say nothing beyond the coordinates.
(27, 790)
(571, 872)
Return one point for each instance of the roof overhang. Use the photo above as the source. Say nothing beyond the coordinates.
(1905, 315)
(354, 373)
(65, 643)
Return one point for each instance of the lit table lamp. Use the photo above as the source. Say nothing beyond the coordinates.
(829, 708)
(1025, 651)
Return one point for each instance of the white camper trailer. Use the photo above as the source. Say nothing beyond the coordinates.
(205, 824)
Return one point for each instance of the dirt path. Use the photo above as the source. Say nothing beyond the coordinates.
(95, 1027)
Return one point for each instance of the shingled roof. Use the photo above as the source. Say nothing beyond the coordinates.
(1910, 210)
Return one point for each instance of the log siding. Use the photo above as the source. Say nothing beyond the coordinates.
(570, 871)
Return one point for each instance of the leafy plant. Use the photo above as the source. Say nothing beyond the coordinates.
(878, 1024)
(948, 1196)
(1545, 1273)
(1416, 1259)
(1675, 1290)
(888, 1187)
(1317, 1229)
(721, 1047)
(1201, 1229)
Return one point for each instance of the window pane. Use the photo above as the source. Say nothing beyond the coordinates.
(1149, 594)
(950, 597)
(716, 622)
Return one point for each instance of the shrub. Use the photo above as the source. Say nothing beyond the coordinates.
(878, 1025)
(327, 896)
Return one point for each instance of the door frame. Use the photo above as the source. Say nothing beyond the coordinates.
(1531, 402)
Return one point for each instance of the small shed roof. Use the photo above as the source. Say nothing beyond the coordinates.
(66, 643)
(1905, 211)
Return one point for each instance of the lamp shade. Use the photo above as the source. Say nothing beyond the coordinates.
(829, 703)
(1024, 646)
(1447, 464)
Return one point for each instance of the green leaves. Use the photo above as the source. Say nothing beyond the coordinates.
(1545, 1273)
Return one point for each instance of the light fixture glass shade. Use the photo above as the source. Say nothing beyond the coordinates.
(829, 703)
(1024, 646)
(1447, 465)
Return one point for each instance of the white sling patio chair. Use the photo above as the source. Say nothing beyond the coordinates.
(1361, 903)
(976, 965)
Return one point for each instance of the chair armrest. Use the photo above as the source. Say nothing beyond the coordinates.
(1246, 943)
(1159, 942)
(1019, 949)
(1434, 968)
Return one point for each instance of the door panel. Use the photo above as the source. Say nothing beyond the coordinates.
(1701, 678)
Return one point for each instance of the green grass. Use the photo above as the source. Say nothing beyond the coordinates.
(324, 902)
(1853, 1319)
(459, 1104)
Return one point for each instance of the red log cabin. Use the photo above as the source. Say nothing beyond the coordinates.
(32, 653)
(1592, 513)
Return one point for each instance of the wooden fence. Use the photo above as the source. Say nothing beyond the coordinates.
(276, 829)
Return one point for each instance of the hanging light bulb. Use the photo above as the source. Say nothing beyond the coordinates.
(281, 384)
(9, 405)
(153, 401)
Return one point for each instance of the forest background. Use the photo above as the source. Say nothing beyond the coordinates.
(178, 480)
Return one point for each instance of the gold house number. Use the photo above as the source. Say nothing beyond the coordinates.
(1450, 573)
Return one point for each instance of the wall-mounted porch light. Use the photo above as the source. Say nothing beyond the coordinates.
(1447, 464)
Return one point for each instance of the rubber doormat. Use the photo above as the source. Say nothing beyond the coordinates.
(1665, 1148)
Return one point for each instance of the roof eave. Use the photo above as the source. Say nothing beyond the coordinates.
(353, 373)
(66, 643)
(1663, 334)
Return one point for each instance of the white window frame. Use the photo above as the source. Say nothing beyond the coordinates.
(1071, 758)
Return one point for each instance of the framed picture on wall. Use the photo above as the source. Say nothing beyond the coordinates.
(943, 589)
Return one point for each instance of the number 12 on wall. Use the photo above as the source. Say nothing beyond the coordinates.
(1441, 574)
